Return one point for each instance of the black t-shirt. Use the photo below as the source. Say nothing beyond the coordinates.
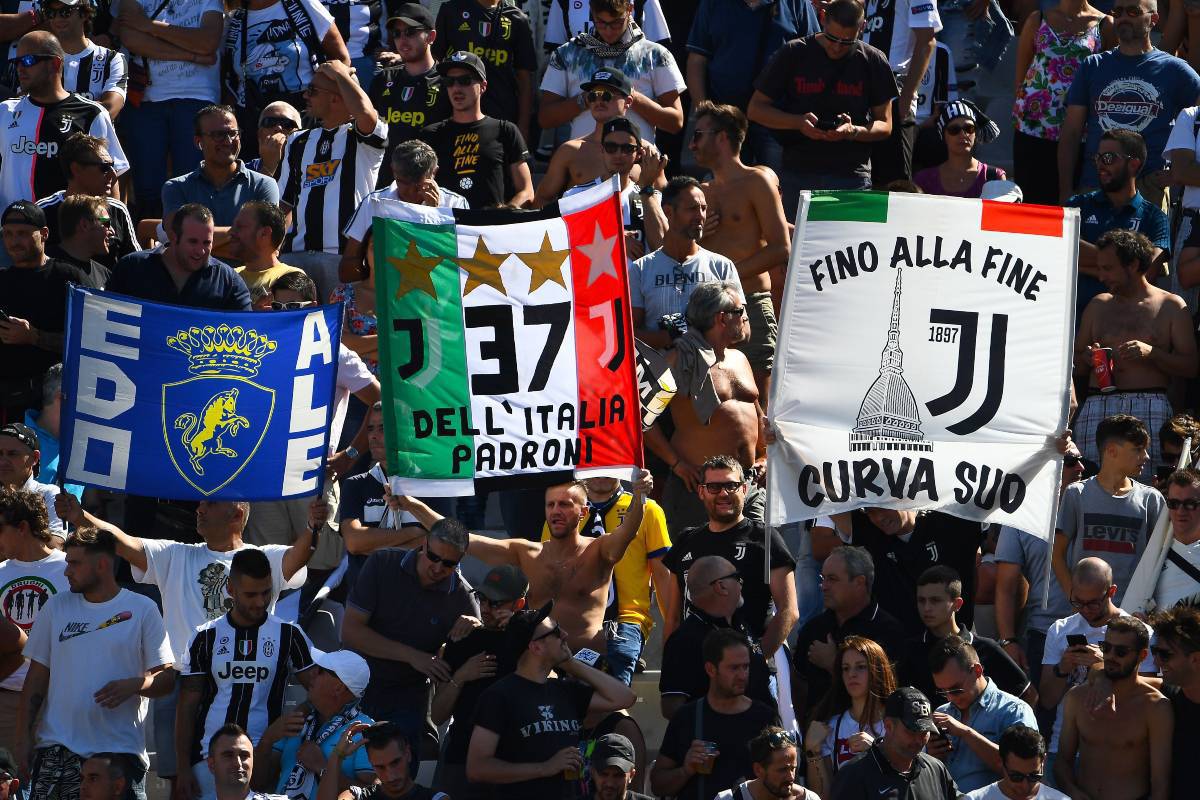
(534, 721)
(480, 640)
(95, 274)
(407, 103)
(502, 37)
(474, 157)
(40, 297)
(869, 776)
(801, 77)
(873, 623)
(1185, 743)
(731, 733)
(362, 499)
(997, 665)
(937, 538)
(683, 660)
(742, 546)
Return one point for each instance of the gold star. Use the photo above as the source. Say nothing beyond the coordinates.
(546, 264)
(483, 268)
(415, 271)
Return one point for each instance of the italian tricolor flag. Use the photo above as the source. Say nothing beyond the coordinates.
(505, 344)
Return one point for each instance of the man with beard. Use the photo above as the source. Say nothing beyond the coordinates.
(1147, 335)
(612, 769)
(1177, 653)
(1127, 753)
(390, 756)
(773, 758)
(1179, 581)
(1023, 756)
(1119, 158)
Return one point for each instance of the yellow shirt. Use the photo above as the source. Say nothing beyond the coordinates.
(631, 575)
(266, 277)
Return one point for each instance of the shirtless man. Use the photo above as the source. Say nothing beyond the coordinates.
(571, 569)
(1126, 754)
(726, 419)
(582, 160)
(745, 224)
(1150, 335)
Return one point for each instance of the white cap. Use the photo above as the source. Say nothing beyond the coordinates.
(350, 667)
(1002, 191)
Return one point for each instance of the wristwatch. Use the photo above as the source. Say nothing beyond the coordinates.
(352, 451)
(647, 191)
(1006, 642)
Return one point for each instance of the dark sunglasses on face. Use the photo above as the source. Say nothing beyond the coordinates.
(736, 312)
(484, 600)
(290, 305)
(951, 692)
(105, 166)
(436, 559)
(33, 59)
(1109, 158)
(278, 122)
(955, 130)
(460, 80)
(716, 487)
(1118, 650)
(612, 148)
(733, 576)
(1025, 777)
(1070, 460)
(1189, 505)
(839, 39)
(105, 221)
(1128, 11)
(599, 96)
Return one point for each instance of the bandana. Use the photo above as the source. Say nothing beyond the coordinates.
(602, 49)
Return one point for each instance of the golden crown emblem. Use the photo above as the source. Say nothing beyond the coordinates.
(222, 350)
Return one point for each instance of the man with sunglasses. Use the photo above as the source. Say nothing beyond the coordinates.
(976, 712)
(1179, 581)
(773, 758)
(478, 660)
(1125, 753)
(408, 93)
(1023, 766)
(90, 70)
(86, 230)
(1134, 86)
(399, 614)
(276, 123)
(34, 126)
(1177, 653)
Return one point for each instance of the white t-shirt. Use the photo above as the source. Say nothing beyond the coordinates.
(993, 792)
(180, 80)
(277, 58)
(742, 792)
(384, 203)
(1173, 583)
(653, 22)
(25, 586)
(1183, 137)
(841, 728)
(48, 491)
(86, 645)
(192, 580)
(352, 375)
(1056, 645)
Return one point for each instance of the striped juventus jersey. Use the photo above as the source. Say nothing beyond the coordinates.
(889, 27)
(939, 85)
(325, 175)
(124, 239)
(244, 671)
(94, 71)
(30, 137)
(358, 23)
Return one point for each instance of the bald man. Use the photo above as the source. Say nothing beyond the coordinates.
(714, 590)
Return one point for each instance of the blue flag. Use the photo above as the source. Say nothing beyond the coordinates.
(193, 404)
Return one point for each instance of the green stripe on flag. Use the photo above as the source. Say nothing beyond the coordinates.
(419, 307)
(848, 207)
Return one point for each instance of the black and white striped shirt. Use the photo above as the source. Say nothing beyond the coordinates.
(246, 670)
(124, 237)
(94, 71)
(358, 22)
(326, 174)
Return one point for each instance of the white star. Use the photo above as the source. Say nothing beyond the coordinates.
(600, 253)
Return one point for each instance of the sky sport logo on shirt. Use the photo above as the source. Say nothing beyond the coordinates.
(320, 173)
(31, 147)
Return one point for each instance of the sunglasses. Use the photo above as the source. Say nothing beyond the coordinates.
(1025, 777)
(1109, 158)
(698, 134)
(782, 738)
(290, 305)
(448, 563)
(716, 487)
(599, 96)
(612, 148)
(33, 59)
(1118, 650)
(1128, 11)
(736, 312)
(105, 221)
(278, 122)
(1189, 505)
(555, 631)
(106, 166)
(733, 576)
(839, 39)
(1072, 460)
(1095, 605)
(955, 130)
(460, 80)
(487, 601)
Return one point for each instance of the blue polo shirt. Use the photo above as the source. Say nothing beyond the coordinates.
(1097, 216)
(223, 201)
(48, 447)
(738, 41)
(992, 713)
(216, 286)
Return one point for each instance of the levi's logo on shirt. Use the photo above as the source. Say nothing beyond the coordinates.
(1111, 533)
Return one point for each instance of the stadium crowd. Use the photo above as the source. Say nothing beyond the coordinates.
(227, 156)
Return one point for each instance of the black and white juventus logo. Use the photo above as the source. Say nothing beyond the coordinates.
(739, 551)
(932, 548)
(64, 125)
(968, 324)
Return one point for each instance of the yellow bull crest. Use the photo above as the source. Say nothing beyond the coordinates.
(202, 436)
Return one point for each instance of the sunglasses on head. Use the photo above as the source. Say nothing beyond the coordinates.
(1189, 505)
(599, 96)
(448, 563)
(1118, 650)
(612, 148)
(716, 487)
(278, 122)
(782, 738)
(460, 80)
(1025, 777)
(33, 59)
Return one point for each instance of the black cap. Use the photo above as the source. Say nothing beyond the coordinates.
(520, 628)
(504, 584)
(911, 707)
(22, 432)
(620, 125)
(613, 750)
(413, 15)
(609, 78)
(464, 60)
(23, 212)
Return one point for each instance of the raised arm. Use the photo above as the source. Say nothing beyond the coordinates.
(609, 693)
(613, 546)
(130, 548)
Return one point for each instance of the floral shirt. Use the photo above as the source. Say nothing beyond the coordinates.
(359, 323)
(1040, 106)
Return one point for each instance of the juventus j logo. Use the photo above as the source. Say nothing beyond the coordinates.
(64, 125)
(968, 323)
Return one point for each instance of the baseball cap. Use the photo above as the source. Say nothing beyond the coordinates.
(609, 78)
(911, 707)
(1002, 191)
(519, 631)
(414, 15)
(23, 433)
(350, 668)
(462, 58)
(621, 125)
(504, 584)
(613, 750)
(23, 212)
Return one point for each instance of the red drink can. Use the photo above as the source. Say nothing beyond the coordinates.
(1102, 364)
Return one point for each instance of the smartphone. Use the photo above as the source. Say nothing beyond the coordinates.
(1076, 640)
(827, 124)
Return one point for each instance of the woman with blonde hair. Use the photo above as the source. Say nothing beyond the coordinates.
(850, 716)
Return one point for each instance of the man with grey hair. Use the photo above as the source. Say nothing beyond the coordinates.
(714, 590)
(414, 165)
(847, 577)
(398, 616)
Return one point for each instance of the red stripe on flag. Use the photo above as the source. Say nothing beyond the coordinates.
(1021, 218)
(610, 427)
(1108, 546)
